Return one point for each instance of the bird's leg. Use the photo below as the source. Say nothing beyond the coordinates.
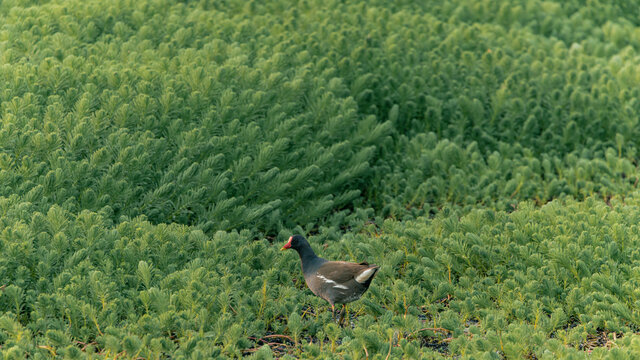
(333, 313)
(344, 310)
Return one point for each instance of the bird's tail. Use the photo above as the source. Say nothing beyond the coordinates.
(367, 275)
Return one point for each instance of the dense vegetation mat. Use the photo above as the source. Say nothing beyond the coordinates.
(560, 280)
(484, 153)
(265, 117)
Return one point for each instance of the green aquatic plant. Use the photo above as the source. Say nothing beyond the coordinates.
(483, 153)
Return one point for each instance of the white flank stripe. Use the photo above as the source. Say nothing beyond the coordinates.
(328, 281)
(365, 275)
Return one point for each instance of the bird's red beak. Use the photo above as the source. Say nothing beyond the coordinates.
(287, 245)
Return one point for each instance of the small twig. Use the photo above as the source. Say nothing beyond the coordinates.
(275, 344)
(278, 336)
(84, 347)
(390, 346)
(305, 312)
(365, 351)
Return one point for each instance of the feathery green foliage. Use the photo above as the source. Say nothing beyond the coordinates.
(556, 276)
(483, 153)
(184, 124)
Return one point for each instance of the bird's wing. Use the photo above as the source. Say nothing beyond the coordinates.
(341, 271)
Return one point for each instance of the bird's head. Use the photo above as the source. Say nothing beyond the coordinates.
(295, 242)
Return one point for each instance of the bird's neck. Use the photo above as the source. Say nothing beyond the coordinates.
(307, 256)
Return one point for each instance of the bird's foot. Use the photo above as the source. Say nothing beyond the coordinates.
(342, 314)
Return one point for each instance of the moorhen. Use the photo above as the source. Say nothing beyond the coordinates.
(338, 282)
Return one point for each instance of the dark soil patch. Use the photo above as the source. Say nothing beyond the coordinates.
(435, 344)
(601, 339)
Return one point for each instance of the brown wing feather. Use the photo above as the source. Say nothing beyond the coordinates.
(341, 271)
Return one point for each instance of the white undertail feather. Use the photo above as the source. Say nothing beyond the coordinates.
(365, 275)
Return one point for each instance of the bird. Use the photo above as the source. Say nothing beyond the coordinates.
(338, 282)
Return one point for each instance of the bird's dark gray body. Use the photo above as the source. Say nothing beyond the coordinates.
(338, 282)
